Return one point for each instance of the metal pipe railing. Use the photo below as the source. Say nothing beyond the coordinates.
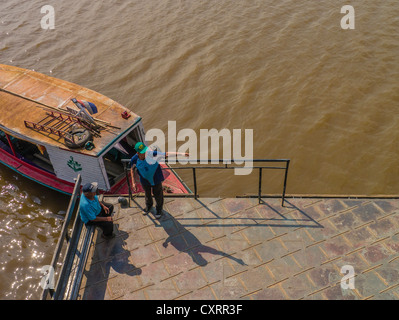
(63, 236)
(227, 165)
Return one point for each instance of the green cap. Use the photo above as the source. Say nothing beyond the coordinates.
(140, 147)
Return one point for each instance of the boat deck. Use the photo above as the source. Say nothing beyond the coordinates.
(235, 248)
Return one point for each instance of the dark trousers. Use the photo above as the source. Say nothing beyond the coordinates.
(157, 191)
(106, 226)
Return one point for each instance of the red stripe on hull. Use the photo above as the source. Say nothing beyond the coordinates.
(36, 174)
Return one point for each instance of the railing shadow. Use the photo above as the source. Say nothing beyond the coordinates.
(280, 221)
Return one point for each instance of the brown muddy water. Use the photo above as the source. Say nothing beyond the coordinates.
(324, 97)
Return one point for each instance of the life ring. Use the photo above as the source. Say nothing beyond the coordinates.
(77, 138)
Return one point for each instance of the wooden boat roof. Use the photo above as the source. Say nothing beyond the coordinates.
(21, 88)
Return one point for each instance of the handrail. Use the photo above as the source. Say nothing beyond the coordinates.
(227, 165)
(63, 236)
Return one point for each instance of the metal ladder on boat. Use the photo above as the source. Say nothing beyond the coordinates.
(59, 124)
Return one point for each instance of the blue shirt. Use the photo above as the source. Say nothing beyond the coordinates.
(89, 209)
(149, 170)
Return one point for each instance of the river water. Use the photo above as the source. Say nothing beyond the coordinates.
(324, 97)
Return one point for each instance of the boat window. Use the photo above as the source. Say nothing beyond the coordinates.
(4, 142)
(124, 149)
(132, 138)
(33, 154)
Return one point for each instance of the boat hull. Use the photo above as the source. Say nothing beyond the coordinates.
(33, 173)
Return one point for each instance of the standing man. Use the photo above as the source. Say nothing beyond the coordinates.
(94, 212)
(150, 174)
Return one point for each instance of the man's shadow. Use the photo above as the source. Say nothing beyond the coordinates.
(192, 245)
(112, 256)
(120, 256)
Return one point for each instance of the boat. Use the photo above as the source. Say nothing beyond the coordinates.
(51, 130)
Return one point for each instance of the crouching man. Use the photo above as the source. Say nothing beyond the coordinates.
(94, 212)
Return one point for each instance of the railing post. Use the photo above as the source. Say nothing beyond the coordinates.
(260, 185)
(285, 181)
(195, 184)
(128, 181)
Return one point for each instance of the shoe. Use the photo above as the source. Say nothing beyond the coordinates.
(108, 237)
(147, 209)
(158, 215)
